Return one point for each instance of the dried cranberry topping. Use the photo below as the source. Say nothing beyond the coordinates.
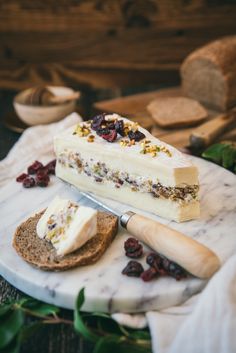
(32, 169)
(51, 166)
(42, 180)
(97, 121)
(21, 177)
(133, 248)
(103, 131)
(28, 182)
(119, 126)
(133, 269)
(149, 274)
(111, 136)
(136, 135)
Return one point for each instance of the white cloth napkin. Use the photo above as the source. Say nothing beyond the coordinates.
(206, 323)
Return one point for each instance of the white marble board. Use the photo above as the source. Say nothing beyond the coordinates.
(106, 288)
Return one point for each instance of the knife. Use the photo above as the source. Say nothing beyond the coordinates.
(193, 256)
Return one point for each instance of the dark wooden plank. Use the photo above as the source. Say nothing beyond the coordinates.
(87, 42)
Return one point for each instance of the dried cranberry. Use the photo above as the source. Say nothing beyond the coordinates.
(119, 126)
(28, 182)
(97, 121)
(149, 274)
(174, 270)
(103, 131)
(42, 172)
(21, 177)
(165, 267)
(111, 125)
(136, 135)
(133, 269)
(32, 169)
(111, 137)
(42, 180)
(51, 166)
(154, 260)
(133, 248)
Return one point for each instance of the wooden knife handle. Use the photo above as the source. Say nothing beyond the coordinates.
(206, 133)
(186, 252)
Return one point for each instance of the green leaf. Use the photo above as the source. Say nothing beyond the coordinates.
(140, 335)
(4, 308)
(43, 309)
(13, 347)
(214, 152)
(229, 156)
(10, 326)
(108, 344)
(79, 325)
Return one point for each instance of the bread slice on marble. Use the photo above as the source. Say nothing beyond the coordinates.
(42, 254)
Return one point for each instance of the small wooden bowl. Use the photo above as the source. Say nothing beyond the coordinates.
(37, 115)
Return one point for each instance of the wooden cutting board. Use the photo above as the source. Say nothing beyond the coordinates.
(134, 107)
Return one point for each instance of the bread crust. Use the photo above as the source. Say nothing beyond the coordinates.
(40, 253)
(212, 68)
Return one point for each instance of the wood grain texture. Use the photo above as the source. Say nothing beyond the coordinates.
(134, 107)
(89, 42)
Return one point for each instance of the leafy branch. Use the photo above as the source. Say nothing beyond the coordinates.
(223, 153)
(99, 328)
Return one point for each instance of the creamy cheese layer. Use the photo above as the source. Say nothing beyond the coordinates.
(101, 173)
(66, 225)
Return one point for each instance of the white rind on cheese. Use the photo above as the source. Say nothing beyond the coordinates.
(170, 171)
(82, 227)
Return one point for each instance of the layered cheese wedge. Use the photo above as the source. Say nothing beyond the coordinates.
(113, 157)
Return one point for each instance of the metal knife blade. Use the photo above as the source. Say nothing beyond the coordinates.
(123, 217)
(92, 198)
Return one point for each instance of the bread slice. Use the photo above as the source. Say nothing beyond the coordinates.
(42, 254)
(171, 112)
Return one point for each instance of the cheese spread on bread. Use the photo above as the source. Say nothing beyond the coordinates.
(67, 225)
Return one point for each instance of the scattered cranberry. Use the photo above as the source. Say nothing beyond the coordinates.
(51, 167)
(133, 269)
(165, 267)
(41, 174)
(28, 182)
(149, 274)
(42, 180)
(32, 169)
(21, 177)
(136, 135)
(133, 248)
(119, 126)
(111, 136)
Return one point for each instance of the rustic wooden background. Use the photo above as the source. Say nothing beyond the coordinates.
(105, 43)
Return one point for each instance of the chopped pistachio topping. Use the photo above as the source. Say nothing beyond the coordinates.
(82, 130)
(153, 149)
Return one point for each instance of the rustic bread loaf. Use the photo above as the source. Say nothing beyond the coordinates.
(42, 254)
(176, 111)
(209, 74)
